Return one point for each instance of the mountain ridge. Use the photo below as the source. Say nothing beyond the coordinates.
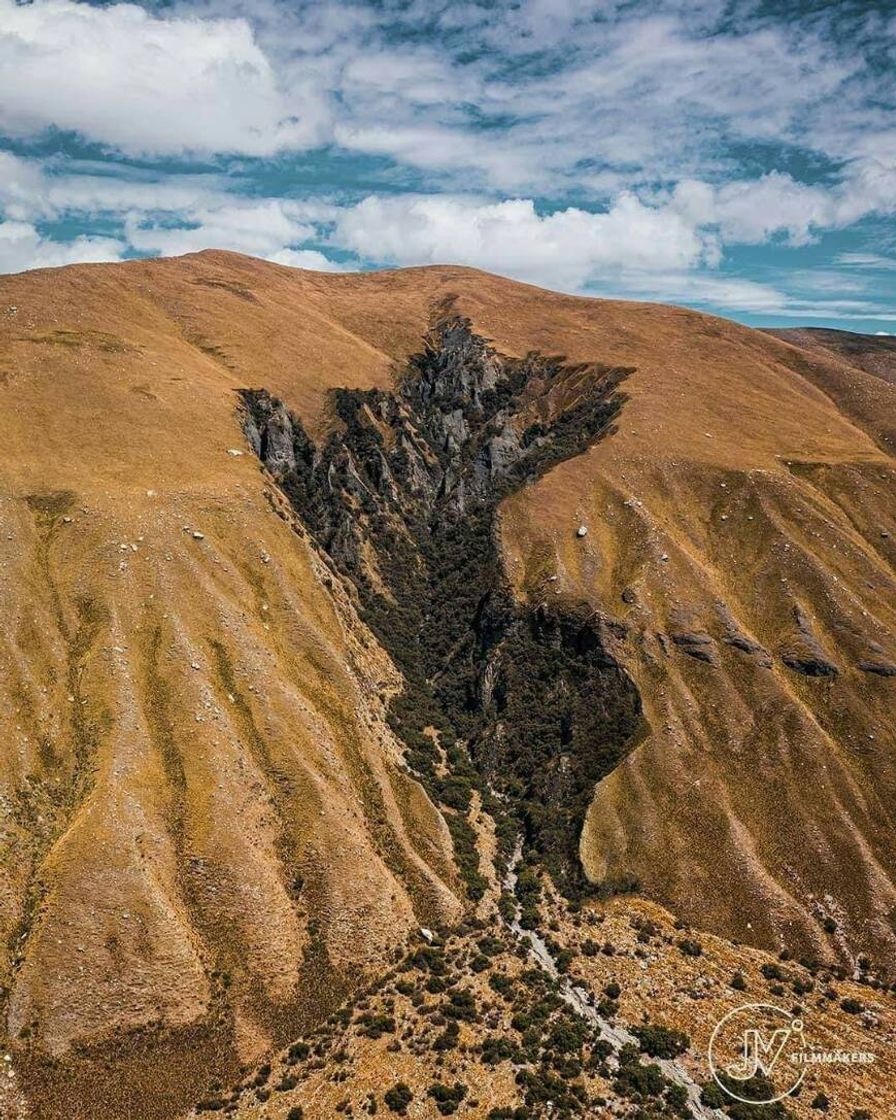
(196, 712)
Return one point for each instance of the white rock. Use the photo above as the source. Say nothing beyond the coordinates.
(582, 531)
(197, 536)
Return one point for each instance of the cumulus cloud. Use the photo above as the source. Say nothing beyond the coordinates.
(258, 228)
(564, 249)
(23, 247)
(166, 217)
(751, 212)
(565, 88)
(311, 259)
(123, 77)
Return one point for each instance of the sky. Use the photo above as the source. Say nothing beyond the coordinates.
(738, 157)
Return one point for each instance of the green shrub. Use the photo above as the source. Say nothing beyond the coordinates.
(398, 1098)
(496, 1049)
(447, 1097)
(449, 1037)
(375, 1026)
(661, 1042)
(461, 1005)
(634, 1079)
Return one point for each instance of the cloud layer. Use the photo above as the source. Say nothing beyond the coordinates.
(673, 149)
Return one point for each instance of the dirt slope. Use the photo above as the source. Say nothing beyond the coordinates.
(207, 836)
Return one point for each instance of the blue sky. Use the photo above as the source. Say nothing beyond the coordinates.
(737, 157)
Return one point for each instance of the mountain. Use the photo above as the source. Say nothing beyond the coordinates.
(322, 590)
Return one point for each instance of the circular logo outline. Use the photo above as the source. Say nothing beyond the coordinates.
(712, 1067)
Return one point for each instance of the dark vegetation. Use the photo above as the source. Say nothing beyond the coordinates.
(426, 1006)
(757, 1088)
(661, 1042)
(522, 704)
(398, 1098)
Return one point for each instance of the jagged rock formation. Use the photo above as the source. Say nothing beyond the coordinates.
(403, 497)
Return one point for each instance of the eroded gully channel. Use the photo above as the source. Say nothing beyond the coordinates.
(527, 705)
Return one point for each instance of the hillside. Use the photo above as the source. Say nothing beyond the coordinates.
(873, 353)
(256, 723)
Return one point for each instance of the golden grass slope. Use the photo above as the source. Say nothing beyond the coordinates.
(204, 828)
(205, 835)
(737, 504)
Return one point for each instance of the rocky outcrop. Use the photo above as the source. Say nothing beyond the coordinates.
(879, 668)
(403, 497)
(699, 645)
(804, 653)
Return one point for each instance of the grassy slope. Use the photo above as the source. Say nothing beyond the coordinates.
(195, 800)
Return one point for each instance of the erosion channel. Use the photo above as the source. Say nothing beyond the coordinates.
(521, 701)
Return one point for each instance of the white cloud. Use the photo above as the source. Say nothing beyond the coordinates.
(169, 217)
(728, 293)
(123, 77)
(651, 117)
(23, 247)
(752, 212)
(259, 228)
(665, 245)
(22, 188)
(306, 258)
(868, 186)
(873, 261)
(564, 249)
